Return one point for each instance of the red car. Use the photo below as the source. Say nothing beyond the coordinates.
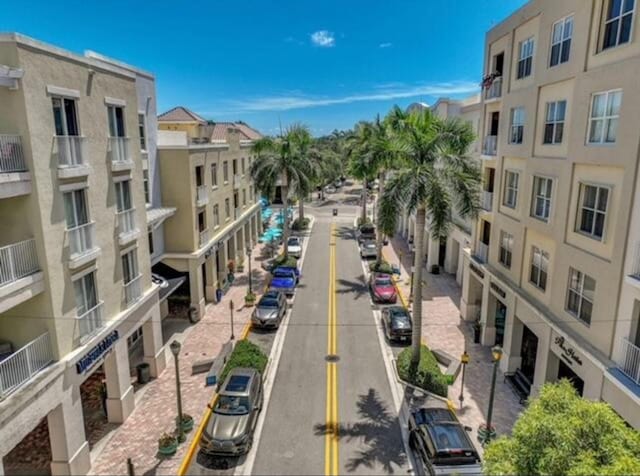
(382, 288)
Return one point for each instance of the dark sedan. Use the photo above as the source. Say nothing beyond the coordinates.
(270, 310)
(396, 321)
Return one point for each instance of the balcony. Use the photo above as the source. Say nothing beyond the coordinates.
(490, 146)
(237, 181)
(120, 154)
(202, 197)
(90, 322)
(494, 91)
(15, 179)
(21, 366)
(127, 230)
(205, 236)
(72, 156)
(481, 252)
(635, 267)
(628, 360)
(486, 200)
(82, 245)
(133, 290)
(20, 275)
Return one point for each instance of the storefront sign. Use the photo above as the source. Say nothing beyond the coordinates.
(499, 291)
(476, 270)
(97, 352)
(568, 353)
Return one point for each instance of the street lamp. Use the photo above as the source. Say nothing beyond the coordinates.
(231, 310)
(413, 259)
(175, 350)
(486, 433)
(464, 360)
(249, 260)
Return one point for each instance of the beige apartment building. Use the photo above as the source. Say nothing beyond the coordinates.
(75, 272)
(553, 274)
(218, 217)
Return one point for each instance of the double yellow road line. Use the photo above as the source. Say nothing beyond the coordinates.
(331, 435)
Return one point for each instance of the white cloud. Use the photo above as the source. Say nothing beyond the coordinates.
(385, 45)
(303, 101)
(323, 38)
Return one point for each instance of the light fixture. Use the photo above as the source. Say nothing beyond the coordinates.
(175, 347)
(497, 353)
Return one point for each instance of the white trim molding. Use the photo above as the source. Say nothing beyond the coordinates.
(64, 92)
(109, 101)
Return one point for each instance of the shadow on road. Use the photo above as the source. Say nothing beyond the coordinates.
(377, 432)
(358, 288)
(219, 462)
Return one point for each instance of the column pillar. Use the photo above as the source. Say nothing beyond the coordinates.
(542, 358)
(154, 353)
(466, 312)
(513, 327)
(488, 336)
(433, 253)
(210, 288)
(195, 286)
(69, 446)
(222, 263)
(120, 402)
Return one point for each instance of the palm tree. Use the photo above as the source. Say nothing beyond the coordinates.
(281, 159)
(302, 142)
(361, 160)
(435, 176)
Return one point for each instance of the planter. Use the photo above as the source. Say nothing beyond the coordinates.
(167, 444)
(187, 423)
(249, 300)
(435, 269)
(486, 434)
(143, 371)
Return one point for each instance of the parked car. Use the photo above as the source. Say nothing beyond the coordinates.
(396, 322)
(294, 246)
(382, 288)
(230, 429)
(270, 310)
(441, 443)
(366, 232)
(284, 280)
(271, 264)
(368, 249)
(330, 189)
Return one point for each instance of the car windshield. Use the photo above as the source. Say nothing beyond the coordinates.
(370, 246)
(231, 405)
(383, 281)
(293, 242)
(271, 303)
(449, 437)
(282, 273)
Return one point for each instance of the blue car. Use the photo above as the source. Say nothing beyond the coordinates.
(284, 280)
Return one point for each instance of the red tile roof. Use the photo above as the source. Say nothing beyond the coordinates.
(221, 131)
(180, 114)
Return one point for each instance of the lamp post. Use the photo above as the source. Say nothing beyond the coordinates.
(413, 258)
(175, 350)
(249, 259)
(486, 433)
(464, 360)
(231, 311)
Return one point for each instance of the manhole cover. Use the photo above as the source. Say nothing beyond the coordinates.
(332, 358)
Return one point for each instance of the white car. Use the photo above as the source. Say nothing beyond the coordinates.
(294, 247)
(330, 189)
(368, 249)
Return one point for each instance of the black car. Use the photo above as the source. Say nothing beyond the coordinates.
(396, 321)
(270, 310)
(366, 232)
(441, 443)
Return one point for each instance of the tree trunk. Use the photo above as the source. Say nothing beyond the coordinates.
(379, 236)
(363, 218)
(285, 231)
(300, 210)
(418, 262)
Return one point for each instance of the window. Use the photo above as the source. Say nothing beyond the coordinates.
(244, 197)
(525, 58)
(216, 215)
(129, 266)
(242, 166)
(123, 195)
(251, 194)
(539, 267)
(116, 121)
(76, 209)
(603, 120)
(541, 202)
(506, 248)
(561, 41)
(225, 171)
(65, 117)
(234, 165)
(227, 209)
(517, 125)
(593, 210)
(554, 122)
(617, 26)
(214, 175)
(580, 293)
(511, 189)
(145, 184)
(86, 293)
(150, 239)
(142, 129)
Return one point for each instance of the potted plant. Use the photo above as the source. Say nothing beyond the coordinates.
(231, 266)
(240, 266)
(167, 444)
(249, 299)
(187, 422)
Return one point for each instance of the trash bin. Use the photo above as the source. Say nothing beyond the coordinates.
(144, 372)
(218, 295)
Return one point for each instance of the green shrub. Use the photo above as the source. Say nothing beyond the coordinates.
(384, 268)
(297, 225)
(245, 354)
(367, 221)
(290, 262)
(428, 375)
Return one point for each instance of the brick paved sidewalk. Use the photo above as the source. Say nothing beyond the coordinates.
(444, 329)
(155, 413)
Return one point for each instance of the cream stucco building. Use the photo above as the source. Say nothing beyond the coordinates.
(552, 275)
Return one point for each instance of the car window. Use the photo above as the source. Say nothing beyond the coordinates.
(281, 273)
(447, 437)
(232, 405)
(293, 242)
(384, 281)
(269, 302)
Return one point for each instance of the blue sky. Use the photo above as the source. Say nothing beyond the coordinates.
(327, 64)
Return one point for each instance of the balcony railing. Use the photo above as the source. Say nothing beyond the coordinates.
(90, 321)
(486, 200)
(22, 365)
(133, 290)
(490, 145)
(204, 237)
(11, 158)
(119, 149)
(82, 239)
(635, 269)
(127, 221)
(17, 261)
(202, 197)
(482, 252)
(629, 360)
(71, 151)
(495, 90)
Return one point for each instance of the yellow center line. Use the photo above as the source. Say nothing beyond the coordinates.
(331, 435)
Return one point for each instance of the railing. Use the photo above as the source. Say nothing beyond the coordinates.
(495, 90)
(629, 360)
(127, 221)
(486, 200)
(201, 195)
(11, 158)
(17, 261)
(90, 321)
(119, 148)
(635, 270)
(71, 151)
(133, 290)
(204, 237)
(82, 239)
(482, 251)
(22, 365)
(490, 145)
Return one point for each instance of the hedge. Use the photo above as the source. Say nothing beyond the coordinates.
(428, 375)
(367, 221)
(290, 262)
(297, 226)
(384, 268)
(245, 354)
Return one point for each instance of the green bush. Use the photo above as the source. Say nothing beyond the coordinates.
(367, 221)
(428, 375)
(290, 262)
(297, 225)
(245, 354)
(384, 268)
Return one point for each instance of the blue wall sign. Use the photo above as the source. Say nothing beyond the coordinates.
(97, 352)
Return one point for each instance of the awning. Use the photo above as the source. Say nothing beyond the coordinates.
(155, 216)
(172, 285)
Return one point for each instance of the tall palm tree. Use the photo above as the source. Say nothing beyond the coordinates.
(361, 163)
(302, 143)
(280, 159)
(435, 176)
